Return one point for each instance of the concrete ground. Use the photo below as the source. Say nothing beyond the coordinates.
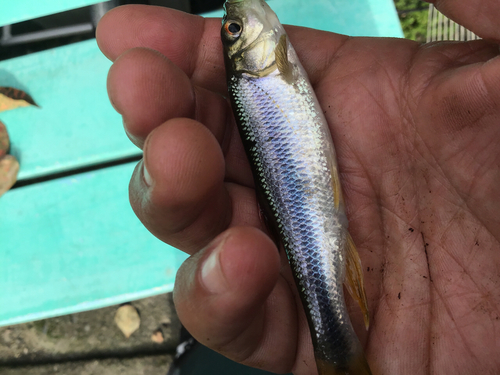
(90, 343)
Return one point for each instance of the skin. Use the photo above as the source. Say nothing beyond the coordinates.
(416, 130)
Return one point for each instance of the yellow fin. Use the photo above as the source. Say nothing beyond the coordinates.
(281, 54)
(354, 278)
(337, 189)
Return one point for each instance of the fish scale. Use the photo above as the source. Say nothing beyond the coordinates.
(292, 167)
(290, 149)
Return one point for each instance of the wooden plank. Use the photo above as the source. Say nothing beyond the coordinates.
(76, 124)
(355, 18)
(23, 10)
(74, 244)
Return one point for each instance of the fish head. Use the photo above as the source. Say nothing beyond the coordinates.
(250, 34)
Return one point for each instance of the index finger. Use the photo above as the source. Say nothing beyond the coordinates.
(191, 42)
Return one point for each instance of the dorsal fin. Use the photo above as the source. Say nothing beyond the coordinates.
(281, 54)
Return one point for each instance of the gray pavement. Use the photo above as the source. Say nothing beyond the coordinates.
(151, 365)
(90, 343)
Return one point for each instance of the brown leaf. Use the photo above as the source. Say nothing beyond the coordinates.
(157, 337)
(11, 98)
(127, 319)
(9, 167)
(4, 140)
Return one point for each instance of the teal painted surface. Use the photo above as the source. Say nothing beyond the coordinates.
(13, 11)
(385, 17)
(76, 124)
(74, 244)
(355, 18)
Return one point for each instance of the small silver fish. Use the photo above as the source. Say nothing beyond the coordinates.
(289, 145)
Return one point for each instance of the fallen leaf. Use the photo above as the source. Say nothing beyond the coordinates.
(11, 98)
(157, 337)
(9, 167)
(4, 140)
(127, 319)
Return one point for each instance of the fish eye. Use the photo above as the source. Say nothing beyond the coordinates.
(233, 28)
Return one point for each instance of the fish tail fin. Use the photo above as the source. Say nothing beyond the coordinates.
(354, 279)
(355, 365)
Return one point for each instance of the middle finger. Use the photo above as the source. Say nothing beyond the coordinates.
(147, 89)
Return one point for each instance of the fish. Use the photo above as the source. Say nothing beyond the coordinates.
(290, 148)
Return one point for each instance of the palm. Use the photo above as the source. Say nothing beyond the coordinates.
(415, 132)
(420, 162)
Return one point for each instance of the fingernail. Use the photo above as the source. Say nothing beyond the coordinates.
(147, 177)
(212, 276)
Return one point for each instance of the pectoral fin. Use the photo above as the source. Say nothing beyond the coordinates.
(281, 54)
(354, 278)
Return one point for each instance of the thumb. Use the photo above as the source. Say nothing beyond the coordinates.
(220, 292)
(479, 16)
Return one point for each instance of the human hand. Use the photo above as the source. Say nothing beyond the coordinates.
(416, 134)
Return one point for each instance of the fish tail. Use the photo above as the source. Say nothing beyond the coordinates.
(355, 365)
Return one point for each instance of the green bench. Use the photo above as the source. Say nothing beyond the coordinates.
(69, 241)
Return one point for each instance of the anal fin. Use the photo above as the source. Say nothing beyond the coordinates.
(354, 278)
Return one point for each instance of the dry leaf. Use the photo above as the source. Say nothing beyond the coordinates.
(9, 167)
(11, 98)
(4, 140)
(157, 337)
(127, 319)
